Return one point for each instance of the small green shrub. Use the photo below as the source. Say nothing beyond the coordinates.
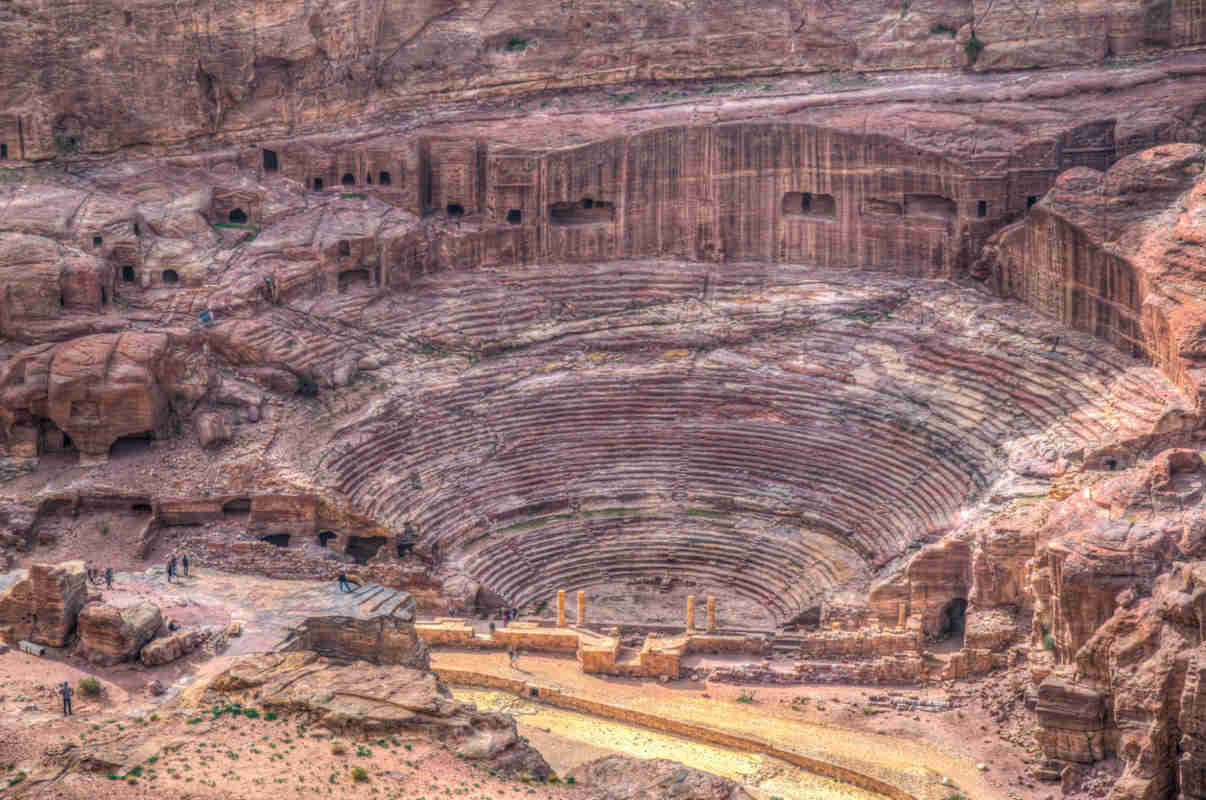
(359, 775)
(104, 530)
(19, 777)
(270, 716)
(517, 45)
(938, 29)
(1048, 642)
(306, 386)
(354, 196)
(251, 713)
(571, 780)
(90, 687)
(66, 145)
(746, 697)
(973, 48)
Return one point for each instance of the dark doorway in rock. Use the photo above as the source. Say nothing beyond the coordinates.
(276, 539)
(809, 204)
(324, 537)
(238, 216)
(982, 208)
(354, 278)
(171, 276)
(404, 545)
(1111, 464)
(383, 178)
(362, 548)
(3, 151)
(348, 179)
(137, 230)
(270, 160)
(238, 507)
(104, 296)
(455, 210)
(127, 274)
(345, 249)
(141, 508)
(1031, 200)
(97, 241)
(952, 618)
(131, 445)
(67, 443)
(369, 179)
(515, 216)
(318, 184)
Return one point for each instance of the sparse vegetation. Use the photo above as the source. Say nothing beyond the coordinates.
(973, 48)
(1048, 642)
(89, 687)
(354, 196)
(746, 697)
(517, 45)
(359, 775)
(938, 29)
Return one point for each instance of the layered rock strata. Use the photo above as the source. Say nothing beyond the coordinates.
(110, 635)
(42, 607)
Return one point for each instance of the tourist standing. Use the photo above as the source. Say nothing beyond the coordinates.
(184, 563)
(171, 567)
(66, 691)
(108, 577)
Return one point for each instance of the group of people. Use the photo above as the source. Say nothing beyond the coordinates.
(96, 576)
(171, 566)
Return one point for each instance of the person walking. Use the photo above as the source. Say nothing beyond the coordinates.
(171, 568)
(108, 577)
(344, 584)
(66, 691)
(184, 563)
(513, 656)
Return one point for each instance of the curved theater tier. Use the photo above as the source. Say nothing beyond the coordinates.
(773, 431)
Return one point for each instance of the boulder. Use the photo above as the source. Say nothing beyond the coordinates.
(212, 428)
(170, 648)
(373, 623)
(627, 778)
(363, 698)
(43, 607)
(109, 635)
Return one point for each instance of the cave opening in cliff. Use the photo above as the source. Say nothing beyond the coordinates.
(238, 507)
(982, 208)
(137, 230)
(930, 205)
(404, 545)
(1031, 200)
(515, 216)
(171, 276)
(270, 164)
(276, 539)
(97, 241)
(318, 184)
(368, 178)
(952, 618)
(348, 179)
(127, 274)
(362, 548)
(353, 278)
(104, 296)
(133, 444)
(325, 537)
(455, 210)
(383, 178)
(587, 211)
(3, 151)
(238, 216)
(345, 248)
(810, 205)
(141, 508)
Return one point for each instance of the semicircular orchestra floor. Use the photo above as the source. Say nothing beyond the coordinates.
(760, 432)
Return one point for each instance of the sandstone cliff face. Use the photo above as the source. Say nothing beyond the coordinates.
(1115, 254)
(110, 635)
(42, 607)
(261, 70)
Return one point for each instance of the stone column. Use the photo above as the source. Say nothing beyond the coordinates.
(711, 615)
(560, 608)
(581, 607)
(690, 613)
(901, 617)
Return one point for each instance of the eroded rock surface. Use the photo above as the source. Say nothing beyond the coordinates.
(110, 635)
(42, 607)
(625, 778)
(366, 698)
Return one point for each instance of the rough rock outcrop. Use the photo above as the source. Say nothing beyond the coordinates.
(167, 649)
(373, 624)
(626, 778)
(110, 635)
(364, 698)
(212, 429)
(43, 606)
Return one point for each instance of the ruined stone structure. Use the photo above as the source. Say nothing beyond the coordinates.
(819, 323)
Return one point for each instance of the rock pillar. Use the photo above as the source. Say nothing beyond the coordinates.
(690, 613)
(901, 617)
(581, 607)
(711, 615)
(560, 608)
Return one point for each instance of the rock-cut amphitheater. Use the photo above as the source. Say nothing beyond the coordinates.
(814, 391)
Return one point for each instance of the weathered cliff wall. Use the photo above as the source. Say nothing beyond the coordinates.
(102, 75)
